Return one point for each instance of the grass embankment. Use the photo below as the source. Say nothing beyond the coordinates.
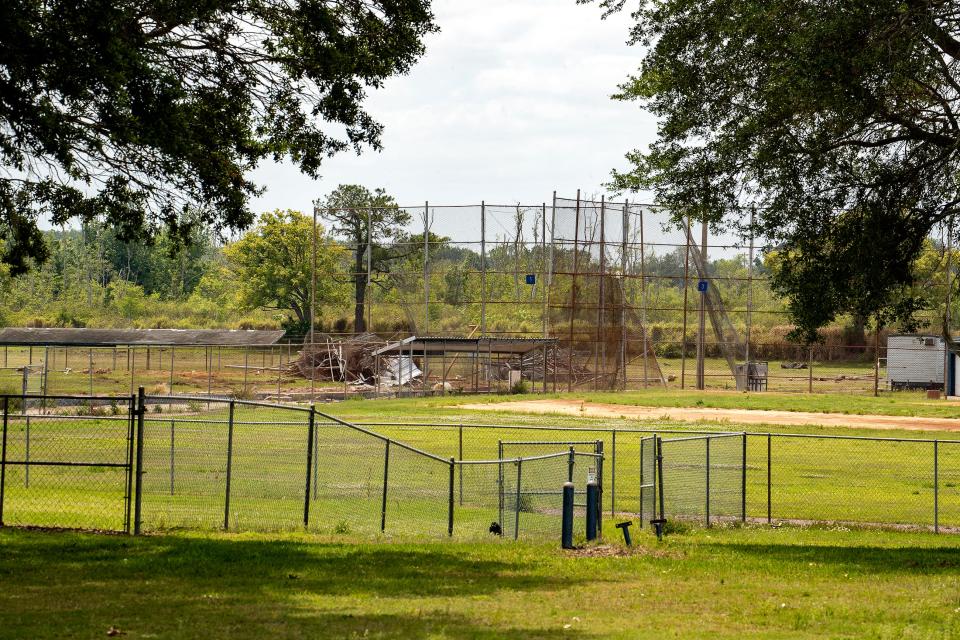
(785, 583)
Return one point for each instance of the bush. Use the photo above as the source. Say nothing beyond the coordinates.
(520, 387)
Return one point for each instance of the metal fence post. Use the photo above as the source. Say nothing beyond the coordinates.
(138, 490)
(172, 449)
(570, 463)
(131, 416)
(613, 475)
(26, 468)
(708, 482)
(450, 502)
(226, 497)
(3, 455)
(316, 452)
(310, 464)
(386, 471)
(516, 511)
(461, 466)
(743, 481)
(660, 473)
(936, 487)
(769, 510)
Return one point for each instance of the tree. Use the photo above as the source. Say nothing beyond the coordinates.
(140, 111)
(272, 265)
(837, 121)
(367, 221)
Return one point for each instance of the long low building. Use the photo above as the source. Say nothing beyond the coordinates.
(83, 337)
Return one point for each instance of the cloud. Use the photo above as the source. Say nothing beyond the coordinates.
(511, 101)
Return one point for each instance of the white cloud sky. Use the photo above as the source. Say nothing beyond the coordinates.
(510, 101)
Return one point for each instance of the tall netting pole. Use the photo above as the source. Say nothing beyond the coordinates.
(623, 293)
(643, 300)
(426, 276)
(483, 269)
(573, 293)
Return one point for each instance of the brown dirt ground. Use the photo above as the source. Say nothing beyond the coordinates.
(739, 416)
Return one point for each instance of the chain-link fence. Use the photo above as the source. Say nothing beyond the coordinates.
(146, 463)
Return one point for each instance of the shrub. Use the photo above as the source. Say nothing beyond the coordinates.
(520, 387)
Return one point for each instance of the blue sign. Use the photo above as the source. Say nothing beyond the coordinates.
(702, 286)
(531, 278)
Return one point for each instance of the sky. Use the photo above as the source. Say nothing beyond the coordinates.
(510, 102)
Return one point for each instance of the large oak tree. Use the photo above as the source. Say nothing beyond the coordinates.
(138, 111)
(838, 121)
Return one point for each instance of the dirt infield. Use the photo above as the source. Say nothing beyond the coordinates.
(738, 416)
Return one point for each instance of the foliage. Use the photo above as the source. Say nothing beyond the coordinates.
(371, 224)
(835, 121)
(140, 111)
(272, 265)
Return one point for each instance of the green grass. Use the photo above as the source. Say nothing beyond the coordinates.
(785, 583)
(892, 404)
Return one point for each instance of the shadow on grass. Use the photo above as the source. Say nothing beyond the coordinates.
(866, 559)
(173, 587)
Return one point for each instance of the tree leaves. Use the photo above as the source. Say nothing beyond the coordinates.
(837, 121)
(138, 112)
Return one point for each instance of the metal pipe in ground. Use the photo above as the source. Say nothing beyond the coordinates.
(566, 532)
(593, 509)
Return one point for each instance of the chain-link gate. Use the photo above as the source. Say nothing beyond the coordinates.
(67, 462)
(700, 477)
(648, 479)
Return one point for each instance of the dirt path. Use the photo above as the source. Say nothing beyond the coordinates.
(738, 416)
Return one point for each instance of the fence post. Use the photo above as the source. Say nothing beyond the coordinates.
(26, 468)
(500, 482)
(138, 490)
(660, 472)
(310, 464)
(450, 504)
(743, 481)
(128, 497)
(461, 466)
(316, 451)
(3, 455)
(570, 463)
(769, 510)
(708, 481)
(386, 471)
(641, 478)
(516, 510)
(172, 454)
(936, 487)
(226, 498)
(613, 476)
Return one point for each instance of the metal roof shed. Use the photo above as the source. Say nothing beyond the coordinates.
(50, 337)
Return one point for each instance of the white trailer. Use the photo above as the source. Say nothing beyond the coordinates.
(915, 361)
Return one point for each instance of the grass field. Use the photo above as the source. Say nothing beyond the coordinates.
(344, 579)
(732, 583)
